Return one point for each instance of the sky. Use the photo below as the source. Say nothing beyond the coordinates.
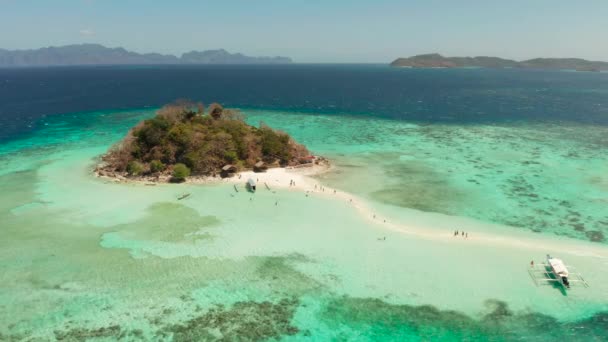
(316, 31)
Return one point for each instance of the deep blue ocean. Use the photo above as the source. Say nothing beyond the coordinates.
(431, 95)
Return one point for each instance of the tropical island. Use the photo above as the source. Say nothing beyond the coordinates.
(434, 60)
(95, 54)
(184, 140)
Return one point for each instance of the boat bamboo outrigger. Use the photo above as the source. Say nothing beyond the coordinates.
(555, 271)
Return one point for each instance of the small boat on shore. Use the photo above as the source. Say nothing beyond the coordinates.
(181, 197)
(251, 186)
(555, 271)
(559, 269)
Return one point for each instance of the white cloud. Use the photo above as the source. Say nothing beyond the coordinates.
(87, 32)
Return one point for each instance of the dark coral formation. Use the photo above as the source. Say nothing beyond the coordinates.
(595, 236)
(376, 319)
(283, 277)
(168, 222)
(244, 321)
(447, 172)
(81, 334)
(350, 318)
(427, 188)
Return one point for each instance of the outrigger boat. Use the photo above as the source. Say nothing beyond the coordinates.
(251, 185)
(181, 197)
(554, 270)
(559, 270)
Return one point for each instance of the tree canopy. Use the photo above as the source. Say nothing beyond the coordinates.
(182, 133)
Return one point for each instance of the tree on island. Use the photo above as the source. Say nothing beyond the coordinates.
(180, 173)
(156, 166)
(183, 137)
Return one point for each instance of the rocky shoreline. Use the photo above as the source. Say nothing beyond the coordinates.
(317, 166)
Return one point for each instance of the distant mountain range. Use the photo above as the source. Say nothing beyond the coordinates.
(95, 54)
(434, 60)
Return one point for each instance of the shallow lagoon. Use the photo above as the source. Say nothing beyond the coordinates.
(88, 259)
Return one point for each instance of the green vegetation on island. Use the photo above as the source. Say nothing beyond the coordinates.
(434, 60)
(183, 140)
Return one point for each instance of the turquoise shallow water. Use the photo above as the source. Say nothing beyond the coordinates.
(86, 259)
(544, 177)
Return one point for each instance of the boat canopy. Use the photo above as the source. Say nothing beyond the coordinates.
(251, 182)
(558, 267)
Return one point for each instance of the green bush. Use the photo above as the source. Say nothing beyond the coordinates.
(274, 144)
(151, 132)
(230, 156)
(156, 166)
(180, 172)
(135, 168)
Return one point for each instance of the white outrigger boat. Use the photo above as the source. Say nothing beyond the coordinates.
(559, 270)
(554, 270)
(251, 186)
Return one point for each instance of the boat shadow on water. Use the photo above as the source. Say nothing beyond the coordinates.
(556, 284)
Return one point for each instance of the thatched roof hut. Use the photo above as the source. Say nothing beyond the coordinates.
(228, 170)
(260, 167)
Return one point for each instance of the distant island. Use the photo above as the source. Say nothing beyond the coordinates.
(95, 54)
(184, 140)
(435, 60)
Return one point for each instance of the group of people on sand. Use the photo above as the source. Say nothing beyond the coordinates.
(461, 233)
(383, 221)
(292, 182)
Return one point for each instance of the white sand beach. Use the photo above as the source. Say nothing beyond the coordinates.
(301, 180)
